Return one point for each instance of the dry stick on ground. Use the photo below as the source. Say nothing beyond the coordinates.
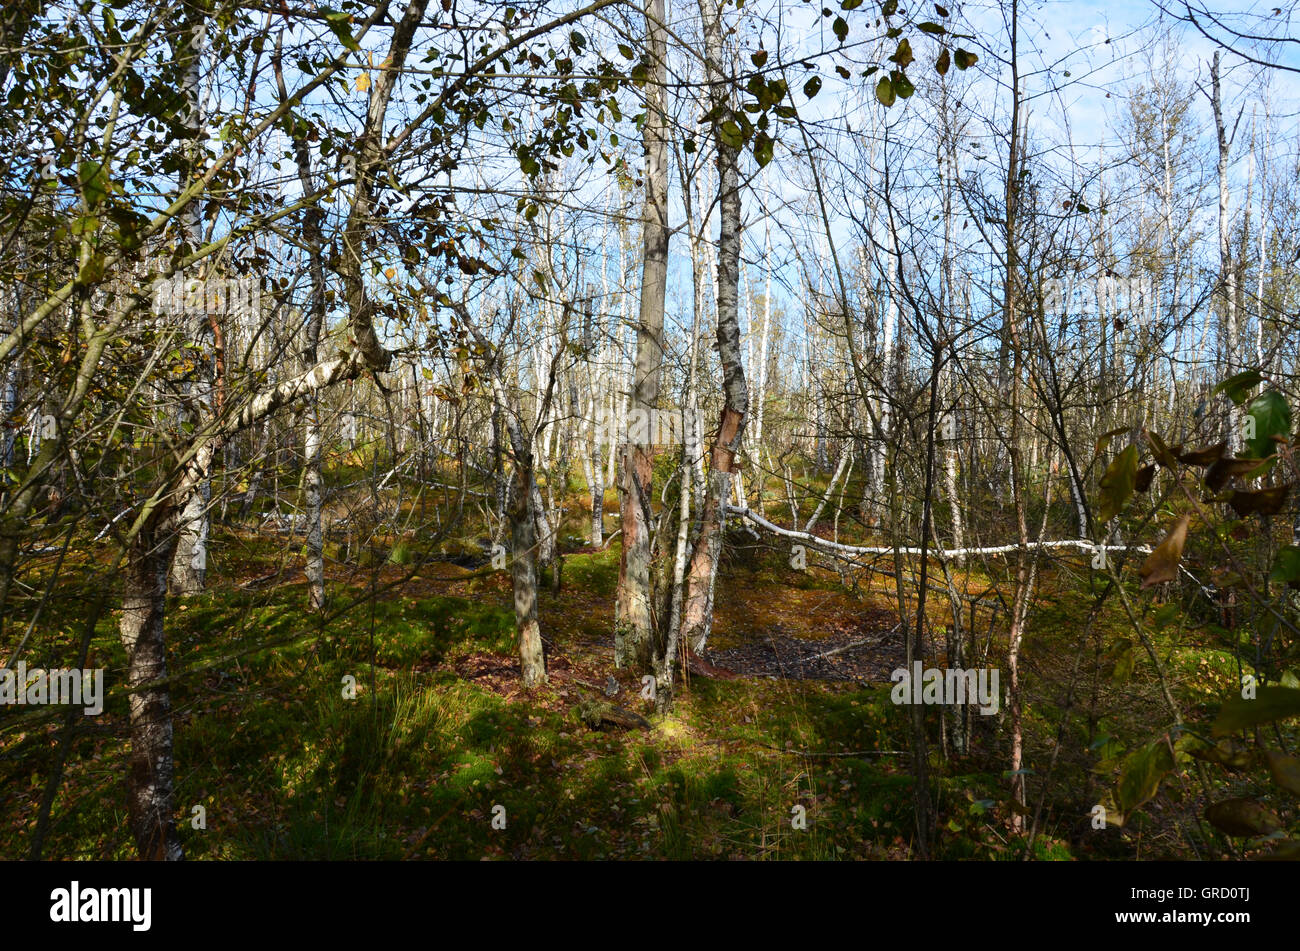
(793, 752)
(858, 643)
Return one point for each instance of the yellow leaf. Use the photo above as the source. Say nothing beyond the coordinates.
(363, 82)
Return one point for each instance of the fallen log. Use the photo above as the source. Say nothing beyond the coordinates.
(596, 714)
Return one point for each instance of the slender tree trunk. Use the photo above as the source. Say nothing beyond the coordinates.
(698, 607)
(523, 571)
(1227, 273)
(1012, 337)
(634, 633)
(189, 569)
(151, 802)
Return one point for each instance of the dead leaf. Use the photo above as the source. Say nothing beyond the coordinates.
(1162, 564)
(1261, 502)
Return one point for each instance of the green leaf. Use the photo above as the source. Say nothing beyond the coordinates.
(965, 59)
(1124, 660)
(1103, 441)
(1239, 385)
(92, 272)
(1142, 773)
(1164, 455)
(811, 87)
(337, 21)
(1164, 616)
(758, 58)
(1270, 703)
(762, 149)
(903, 86)
(94, 183)
(731, 134)
(1222, 754)
(626, 51)
(1118, 483)
(885, 91)
(840, 28)
(903, 55)
(941, 64)
(1286, 566)
(931, 28)
(850, 4)
(1272, 415)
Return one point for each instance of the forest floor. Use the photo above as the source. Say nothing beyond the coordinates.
(441, 754)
